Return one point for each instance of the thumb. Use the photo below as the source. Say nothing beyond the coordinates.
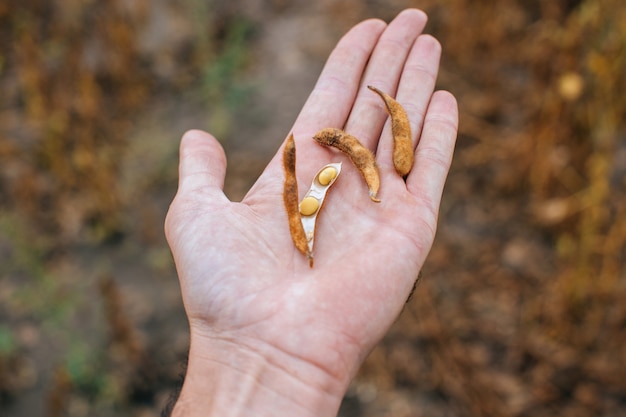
(202, 162)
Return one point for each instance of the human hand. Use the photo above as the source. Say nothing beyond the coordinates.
(269, 334)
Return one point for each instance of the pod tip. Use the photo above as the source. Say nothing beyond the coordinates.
(373, 197)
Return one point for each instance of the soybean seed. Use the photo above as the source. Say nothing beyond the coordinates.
(309, 206)
(327, 175)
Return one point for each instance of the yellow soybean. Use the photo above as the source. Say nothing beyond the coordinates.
(327, 175)
(309, 206)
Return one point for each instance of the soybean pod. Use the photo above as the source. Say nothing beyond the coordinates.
(290, 198)
(313, 201)
(403, 156)
(360, 156)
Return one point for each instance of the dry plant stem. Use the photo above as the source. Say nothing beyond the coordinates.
(290, 198)
(401, 129)
(360, 156)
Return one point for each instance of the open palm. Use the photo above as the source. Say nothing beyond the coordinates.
(242, 279)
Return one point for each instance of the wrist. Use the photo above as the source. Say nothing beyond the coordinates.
(228, 377)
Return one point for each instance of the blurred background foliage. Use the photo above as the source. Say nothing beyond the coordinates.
(520, 312)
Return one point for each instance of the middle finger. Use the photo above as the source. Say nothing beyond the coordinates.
(383, 71)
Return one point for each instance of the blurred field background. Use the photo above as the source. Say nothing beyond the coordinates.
(521, 310)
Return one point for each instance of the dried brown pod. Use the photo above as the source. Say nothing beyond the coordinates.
(360, 156)
(403, 156)
(290, 198)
